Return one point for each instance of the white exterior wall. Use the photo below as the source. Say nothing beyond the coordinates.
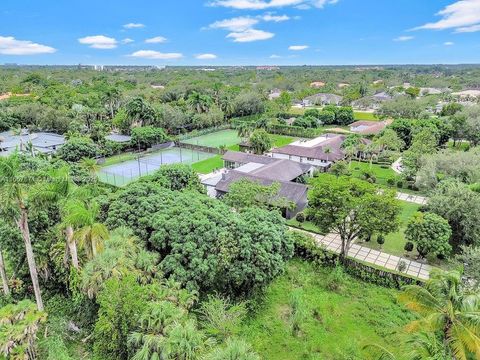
(314, 162)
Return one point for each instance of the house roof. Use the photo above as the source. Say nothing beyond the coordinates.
(369, 127)
(325, 97)
(294, 192)
(41, 140)
(317, 148)
(118, 138)
(267, 167)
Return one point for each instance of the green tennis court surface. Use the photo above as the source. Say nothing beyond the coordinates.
(215, 139)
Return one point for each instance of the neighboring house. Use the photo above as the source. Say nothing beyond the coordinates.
(322, 99)
(266, 171)
(369, 127)
(274, 94)
(320, 152)
(157, 86)
(467, 94)
(117, 138)
(317, 84)
(378, 82)
(42, 142)
(382, 96)
(343, 85)
(433, 91)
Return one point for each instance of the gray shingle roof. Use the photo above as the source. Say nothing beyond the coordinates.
(294, 192)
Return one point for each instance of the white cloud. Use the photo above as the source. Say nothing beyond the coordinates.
(269, 4)
(468, 29)
(404, 38)
(250, 35)
(297, 47)
(274, 18)
(448, 43)
(99, 42)
(11, 46)
(156, 55)
(206, 56)
(235, 24)
(274, 56)
(127, 41)
(463, 15)
(156, 40)
(133, 26)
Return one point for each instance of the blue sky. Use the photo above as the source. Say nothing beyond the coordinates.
(239, 32)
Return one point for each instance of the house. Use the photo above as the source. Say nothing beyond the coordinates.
(467, 94)
(157, 86)
(317, 84)
(320, 152)
(378, 82)
(41, 142)
(322, 99)
(265, 171)
(343, 85)
(118, 138)
(274, 94)
(382, 96)
(369, 127)
(424, 91)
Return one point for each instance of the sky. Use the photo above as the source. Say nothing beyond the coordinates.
(239, 32)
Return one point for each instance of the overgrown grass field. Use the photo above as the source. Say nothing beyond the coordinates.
(332, 325)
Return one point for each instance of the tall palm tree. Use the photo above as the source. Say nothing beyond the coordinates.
(90, 165)
(90, 234)
(3, 274)
(198, 102)
(111, 99)
(447, 309)
(15, 186)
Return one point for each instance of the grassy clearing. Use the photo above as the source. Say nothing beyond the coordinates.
(216, 139)
(208, 165)
(333, 324)
(395, 242)
(306, 225)
(281, 140)
(361, 115)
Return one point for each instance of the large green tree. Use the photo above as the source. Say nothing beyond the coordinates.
(351, 207)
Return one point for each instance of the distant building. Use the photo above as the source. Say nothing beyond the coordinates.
(467, 94)
(157, 86)
(382, 96)
(369, 127)
(265, 171)
(268, 68)
(41, 142)
(117, 138)
(317, 84)
(274, 94)
(343, 85)
(322, 99)
(320, 152)
(432, 91)
(378, 82)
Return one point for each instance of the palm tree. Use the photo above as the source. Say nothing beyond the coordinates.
(198, 102)
(3, 274)
(447, 309)
(90, 234)
(244, 130)
(234, 349)
(350, 152)
(111, 98)
(15, 184)
(90, 165)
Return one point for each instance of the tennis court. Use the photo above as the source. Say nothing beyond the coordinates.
(216, 139)
(122, 173)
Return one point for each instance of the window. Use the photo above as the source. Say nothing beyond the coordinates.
(309, 159)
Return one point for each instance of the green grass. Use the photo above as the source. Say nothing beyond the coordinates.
(281, 140)
(306, 225)
(381, 172)
(216, 139)
(360, 115)
(395, 242)
(208, 165)
(335, 324)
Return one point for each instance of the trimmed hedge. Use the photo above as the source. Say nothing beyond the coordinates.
(306, 248)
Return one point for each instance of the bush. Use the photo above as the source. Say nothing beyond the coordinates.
(145, 137)
(408, 246)
(391, 181)
(400, 184)
(300, 217)
(336, 279)
(380, 239)
(78, 148)
(402, 266)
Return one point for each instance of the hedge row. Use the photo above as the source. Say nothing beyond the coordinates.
(307, 249)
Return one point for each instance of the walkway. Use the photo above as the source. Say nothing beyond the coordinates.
(397, 166)
(417, 199)
(333, 243)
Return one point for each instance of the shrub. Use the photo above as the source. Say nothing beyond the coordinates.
(408, 246)
(400, 184)
(300, 217)
(145, 137)
(391, 181)
(336, 279)
(402, 266)
(380, 239)
(78, 148)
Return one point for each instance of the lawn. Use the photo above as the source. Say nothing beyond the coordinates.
(216, 139)
(281, 140)
(381, 172)
(395, 242)
(361, 115)
(334, 325)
